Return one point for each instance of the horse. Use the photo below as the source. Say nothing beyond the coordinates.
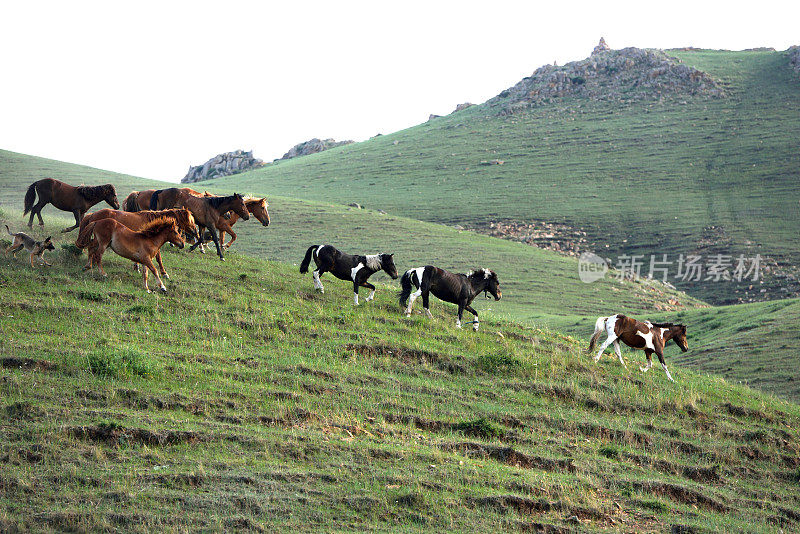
(140, 247)
(65, 197)
(647, 336)
(460, 289)
(207, 211)
(163, 199)
(257, 208)
(356, 269)
(135, 221)
(137, 200)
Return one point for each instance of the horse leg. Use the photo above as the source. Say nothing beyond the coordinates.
(317, 282)
(161, 265)
(371, 288)
(37, 210)
(216, 242)
(411, 299)
(618, 352)
(78, 216)
(660, 355)
(475, 324)
(355, 292)
(144, 277)
(611, 339)
(199, 241)
(460, 314)
(425, 302)
(148, 263)
(649, 354)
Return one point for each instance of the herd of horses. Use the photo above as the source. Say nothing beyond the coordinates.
(149, 219)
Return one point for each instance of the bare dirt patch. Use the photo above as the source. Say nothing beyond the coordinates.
(511, 456)
(408, 356)
(112, 434)
(682, 495)
(558, 237)
(26, 363)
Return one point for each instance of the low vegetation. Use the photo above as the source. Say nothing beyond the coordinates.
(245, 400)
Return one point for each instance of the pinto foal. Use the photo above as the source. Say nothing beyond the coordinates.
(347, 267)
(459, 289)
(647, 336)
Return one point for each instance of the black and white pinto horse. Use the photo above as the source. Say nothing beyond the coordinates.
(460, 289)
(644, 335)
(343, 266)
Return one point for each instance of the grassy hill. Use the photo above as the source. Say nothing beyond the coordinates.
(540, 287)
(243, 400)
(677, 176)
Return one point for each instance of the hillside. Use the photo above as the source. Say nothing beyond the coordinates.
(684, 174)
(540, 287)
(246, 401)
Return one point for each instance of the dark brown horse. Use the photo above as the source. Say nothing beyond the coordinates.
(76, 200)
(647, 336)
(164, 199)
(135, 221)
(257, 208)
(208, 210)
(140, 247)
(138, 200)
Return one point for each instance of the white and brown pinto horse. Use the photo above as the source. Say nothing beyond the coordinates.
(354, 268)
(647, 336)
(460, 289)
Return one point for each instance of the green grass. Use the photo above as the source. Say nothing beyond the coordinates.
(682, 176)
(241, 399)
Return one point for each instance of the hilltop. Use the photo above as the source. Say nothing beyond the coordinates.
(689, 174)
(247, 401)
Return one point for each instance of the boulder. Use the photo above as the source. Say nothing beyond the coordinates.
(601, 47)
(794, 57)
(463, 106)
(312, 146)
(223, 165)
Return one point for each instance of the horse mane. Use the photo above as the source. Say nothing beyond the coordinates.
(216, 202)
(665, 325)
(482, 274)
(156, 226)
(253, 200)
(94, 192)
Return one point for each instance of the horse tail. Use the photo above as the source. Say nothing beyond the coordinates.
(130, 203)
(30, 196)
(85, 236)
(8, 230)
(154, 199)
(599, 326)
(307, 259)
(405, 287)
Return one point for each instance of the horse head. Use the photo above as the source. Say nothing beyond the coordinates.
(175, 236)
(186, 223)
(679, 335)
(258, 207)
(387, 264)
(239, 207)
(110, 196)
(487, 281)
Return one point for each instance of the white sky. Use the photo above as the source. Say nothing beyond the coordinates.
(148, 88)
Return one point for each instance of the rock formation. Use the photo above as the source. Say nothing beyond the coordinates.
(312, 146)
(222, 165)
(794, 57)
(623, 76)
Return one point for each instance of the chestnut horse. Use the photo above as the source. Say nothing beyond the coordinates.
(644, 335)
(140, 247)
(257, 208)
(65, 197)
(134, 221)
(208, 210)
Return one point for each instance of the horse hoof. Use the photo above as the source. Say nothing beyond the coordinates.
(163, 289)
(165, 275)
(475, 327)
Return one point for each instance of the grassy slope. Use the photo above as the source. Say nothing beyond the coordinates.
(540, 288)
(644, 179)
(243, 400)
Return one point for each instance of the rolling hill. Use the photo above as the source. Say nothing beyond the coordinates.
(677, 174)
(243, 400)
(540, 287)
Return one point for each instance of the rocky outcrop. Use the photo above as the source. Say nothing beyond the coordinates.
(312, 146)
(463, 106)
(623, 76)
(222, 165)
(794, 57)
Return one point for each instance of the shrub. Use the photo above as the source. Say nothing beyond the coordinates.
(609, 451)
(480, 428)
(499, 363)
(119, 362)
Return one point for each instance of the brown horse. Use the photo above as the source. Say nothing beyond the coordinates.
(140, 247)
(65, 197)
(644, 335)
(138, 200)
(163, 199)
(134, 221)
(208, 210)
(257, 208)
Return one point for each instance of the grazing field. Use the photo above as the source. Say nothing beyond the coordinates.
(695, 175)
(241, 399)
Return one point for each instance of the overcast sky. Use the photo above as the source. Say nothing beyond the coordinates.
(148, 88)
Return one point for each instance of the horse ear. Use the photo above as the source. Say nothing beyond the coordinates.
(49, 238)
(391, 255)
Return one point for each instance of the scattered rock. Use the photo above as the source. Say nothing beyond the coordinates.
(463, 106)
(312, 146)
(355, 205)
(493, 162)
(794, 57)
(433, 116)
(623, 76)
(223, 165)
